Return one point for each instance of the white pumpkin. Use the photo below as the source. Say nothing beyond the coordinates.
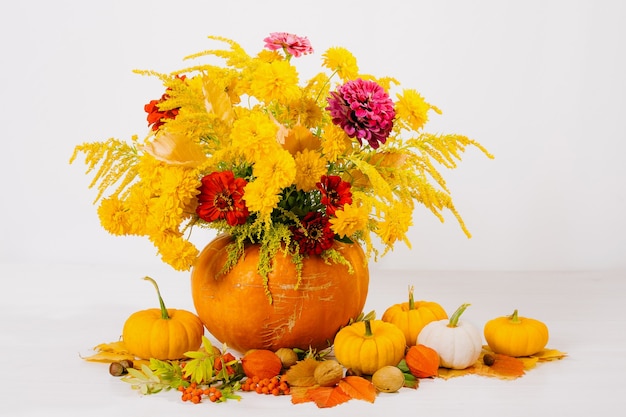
(458, 343)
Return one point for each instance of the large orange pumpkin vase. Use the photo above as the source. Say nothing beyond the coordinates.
(236, 309)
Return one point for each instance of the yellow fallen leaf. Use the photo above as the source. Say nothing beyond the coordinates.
(549, 355)
(110, 352)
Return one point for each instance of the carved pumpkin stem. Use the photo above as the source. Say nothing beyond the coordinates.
(411, 299)
(368, 329)
(164, 314)
(514, 318)
(454, 320)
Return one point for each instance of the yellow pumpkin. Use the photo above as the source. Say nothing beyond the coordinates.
(411, 316)
(516, 336)
(235, 308)
(162, 333)
(366, 346)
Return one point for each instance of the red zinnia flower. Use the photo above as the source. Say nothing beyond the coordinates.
(291, 44)
(155, 116)
(221, 198)
(315, 235)
(363, 110)
(335, 193)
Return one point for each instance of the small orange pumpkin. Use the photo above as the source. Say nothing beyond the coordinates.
(162, 333)
(422, 361)
(235, 308)
(412, 316)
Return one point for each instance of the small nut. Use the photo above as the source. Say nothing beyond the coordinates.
(117, 369)
(328, 373)
(489, 359)
(388, 379)
(287, 356)
(126, 363)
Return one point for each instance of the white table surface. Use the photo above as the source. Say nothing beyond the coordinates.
(53, 314)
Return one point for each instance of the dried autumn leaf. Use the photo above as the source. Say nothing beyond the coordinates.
(503, 367)
(358, 388)
(299, 395)
(302, 373)
(446, 373)
(326, 397)
(110, 352)
(549, 355)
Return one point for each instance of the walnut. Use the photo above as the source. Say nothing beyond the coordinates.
(328, 373)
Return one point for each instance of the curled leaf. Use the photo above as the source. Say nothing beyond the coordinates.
(302, 373)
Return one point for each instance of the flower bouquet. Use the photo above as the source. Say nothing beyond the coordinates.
(247, 148)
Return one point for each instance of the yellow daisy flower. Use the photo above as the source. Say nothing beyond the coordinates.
(310, 166)
(341, 60)
(351, 219)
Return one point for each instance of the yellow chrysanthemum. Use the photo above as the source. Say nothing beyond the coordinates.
(395, 225)
(114, 216)
(353, 218)
(275, 81)
(260, 198)
(412, 109)
(276, 170)
(310, 166)
(341, 60)
(175, 250)
(254, 136)
(335, 143)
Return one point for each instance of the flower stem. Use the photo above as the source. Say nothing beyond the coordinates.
(164, 314)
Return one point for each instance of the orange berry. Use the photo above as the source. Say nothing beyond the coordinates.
(195, 399)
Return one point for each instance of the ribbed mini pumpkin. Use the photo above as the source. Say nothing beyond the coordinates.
(412, 316)
(366, 346)
(516, 336)
(162, 333)
(235, 308)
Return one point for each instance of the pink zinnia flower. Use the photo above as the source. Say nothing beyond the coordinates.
(363, 110)
(291, 44)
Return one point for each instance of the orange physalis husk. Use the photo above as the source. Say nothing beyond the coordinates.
(358, 388)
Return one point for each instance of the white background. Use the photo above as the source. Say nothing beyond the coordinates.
(540, 83)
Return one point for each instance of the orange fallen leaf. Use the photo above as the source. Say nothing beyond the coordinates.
(358, 388)
(503, 367)
(299, 395)
(326, 397)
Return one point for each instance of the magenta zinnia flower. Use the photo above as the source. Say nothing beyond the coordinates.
(363, 110)
(335, 193)
(221, 198)
(315, 235)
(291, 44)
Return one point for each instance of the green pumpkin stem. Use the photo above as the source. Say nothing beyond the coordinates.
(164, 314)
(454, 320)
(411, 299)
(514, 318)
(368, 328)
